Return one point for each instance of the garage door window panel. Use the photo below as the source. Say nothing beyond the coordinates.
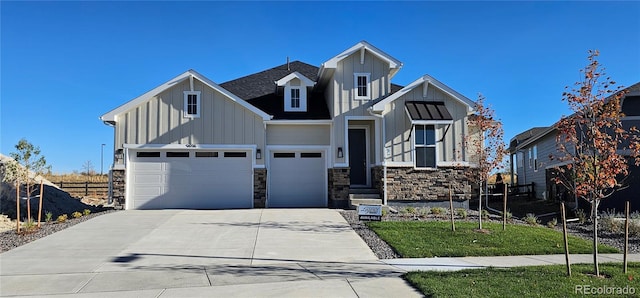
(147, 154)
(206, 154)
(235, 154)
(177, 154)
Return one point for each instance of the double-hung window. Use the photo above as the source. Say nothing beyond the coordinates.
(362, 86)
(192, 104)
(295, 98)
(425, 146)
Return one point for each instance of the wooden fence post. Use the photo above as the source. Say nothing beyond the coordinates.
(453, 224)
(626, 235)
(86, 188)
(40, 205)
(17, 206)
(566, 241)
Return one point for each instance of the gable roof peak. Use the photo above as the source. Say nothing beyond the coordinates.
(394, 63)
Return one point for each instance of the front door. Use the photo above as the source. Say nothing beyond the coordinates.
(358, 156)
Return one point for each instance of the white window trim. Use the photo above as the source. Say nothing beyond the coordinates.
(530, 158)
(287, 98)
(355, 85)
(435, 146)
(535, 158)
(186, 102)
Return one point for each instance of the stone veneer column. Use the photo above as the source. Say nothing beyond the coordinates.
(118, 188)
(338, 187)
(259, 188)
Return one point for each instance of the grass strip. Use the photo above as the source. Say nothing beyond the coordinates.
(535, 281)
(423, 239)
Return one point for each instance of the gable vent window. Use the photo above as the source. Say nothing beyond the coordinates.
(295, 98)
(362, 86)
(192, 104)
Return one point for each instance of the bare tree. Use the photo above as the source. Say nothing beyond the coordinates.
(591, 141)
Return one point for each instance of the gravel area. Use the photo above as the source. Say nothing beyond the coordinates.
(384, 251)
(10, 239)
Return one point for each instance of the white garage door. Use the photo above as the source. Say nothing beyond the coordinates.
(212, 179)
(297, 179)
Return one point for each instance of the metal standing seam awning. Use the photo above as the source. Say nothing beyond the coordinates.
(428, 112)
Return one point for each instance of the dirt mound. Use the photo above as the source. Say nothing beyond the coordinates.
(55, 200)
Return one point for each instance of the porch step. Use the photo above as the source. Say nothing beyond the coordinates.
(363, 196)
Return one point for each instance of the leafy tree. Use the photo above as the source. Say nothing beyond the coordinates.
(485, 145)
(26, 165)
(591, 140)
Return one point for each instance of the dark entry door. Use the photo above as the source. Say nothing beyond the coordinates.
(358, 156)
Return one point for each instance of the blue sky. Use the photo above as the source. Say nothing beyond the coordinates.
(63, 64)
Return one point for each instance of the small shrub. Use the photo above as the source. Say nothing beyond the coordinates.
(384, 212)
(48, 216)
(422, 212)
(62, 218)
(552, 223)
(582, 217)
(609, 223)
(509, 215)
(86, 212)
(461, 212)
(411, 210)
(485, 214)
(438, 211)
(531, 219)
(29, 226)
(634, 228)
(402, 211)
(76, 214)
(635, 215)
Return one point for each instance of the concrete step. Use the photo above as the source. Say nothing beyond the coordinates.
(363, 191)
(355, 202)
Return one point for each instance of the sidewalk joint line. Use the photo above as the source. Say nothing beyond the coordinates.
(93, 275)
(255, 241)
(351, 286)
(161, 292)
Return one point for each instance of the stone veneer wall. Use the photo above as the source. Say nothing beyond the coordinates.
(118, 187)
(338, 187)
(409, 184)
(259, 188)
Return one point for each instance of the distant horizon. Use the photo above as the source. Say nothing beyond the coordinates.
(64, 64)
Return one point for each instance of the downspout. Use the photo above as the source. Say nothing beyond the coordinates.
(384, 158)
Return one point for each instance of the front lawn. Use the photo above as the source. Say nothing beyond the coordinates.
(420, 239)
(537, 281)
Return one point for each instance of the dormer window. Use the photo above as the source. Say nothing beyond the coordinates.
(362, 86)
(295, 98)
(192, 104)
(295, 91)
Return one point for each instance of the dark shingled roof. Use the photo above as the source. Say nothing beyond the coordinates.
(260, 90)
(427, 110)
(518, 139)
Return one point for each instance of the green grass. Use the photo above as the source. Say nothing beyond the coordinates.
(538, 281)
(435, 238)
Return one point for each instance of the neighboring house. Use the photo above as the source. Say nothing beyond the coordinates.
(534, 156)
(295, 135)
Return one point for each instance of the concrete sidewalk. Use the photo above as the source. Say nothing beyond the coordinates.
(461, 263)
(198, 253)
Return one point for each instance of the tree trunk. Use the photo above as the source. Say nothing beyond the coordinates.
(594, 208)
(480, 208)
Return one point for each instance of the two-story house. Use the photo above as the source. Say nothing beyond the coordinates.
(534, 156)
(295, 135)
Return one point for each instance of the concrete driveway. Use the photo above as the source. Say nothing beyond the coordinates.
(190, 253)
